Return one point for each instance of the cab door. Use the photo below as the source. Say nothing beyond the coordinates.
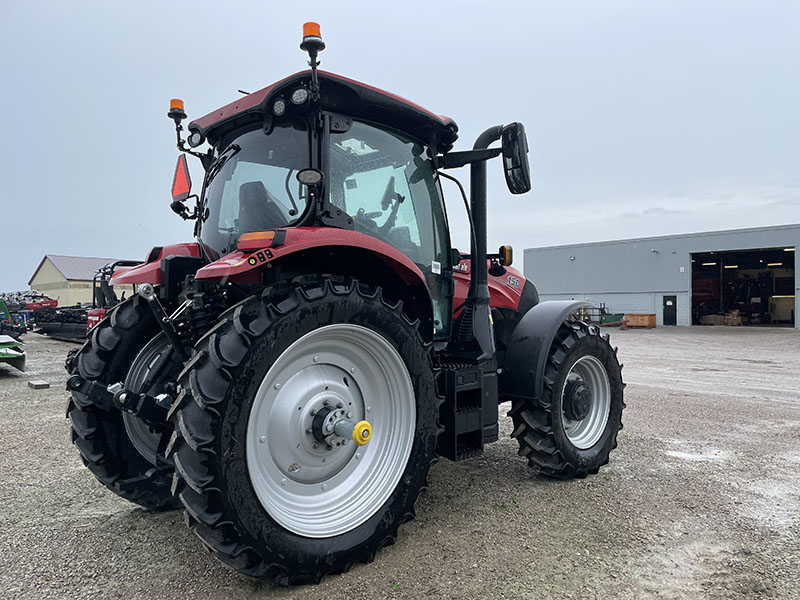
(386, 183)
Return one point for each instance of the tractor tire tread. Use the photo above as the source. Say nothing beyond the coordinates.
(533, 420)
(197, 423)
(97, 432)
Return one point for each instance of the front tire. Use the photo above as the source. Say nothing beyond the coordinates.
(109, 443)
(572, 429)
(260, 486)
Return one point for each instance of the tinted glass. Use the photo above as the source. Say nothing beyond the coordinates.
(386, 183)
(253, 185)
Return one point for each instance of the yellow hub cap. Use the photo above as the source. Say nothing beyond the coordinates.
(362, 432)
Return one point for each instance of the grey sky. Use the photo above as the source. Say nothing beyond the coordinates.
(644, 118)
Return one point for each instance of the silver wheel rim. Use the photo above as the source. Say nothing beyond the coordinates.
(142, 437)
(314, 491)
(585, 433)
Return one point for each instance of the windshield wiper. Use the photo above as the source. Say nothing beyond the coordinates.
(223, 158)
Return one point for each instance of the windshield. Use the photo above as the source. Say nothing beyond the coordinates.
(252, 186)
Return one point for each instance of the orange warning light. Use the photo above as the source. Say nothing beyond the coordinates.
(255, 240)
(176, 103)
(310, 29)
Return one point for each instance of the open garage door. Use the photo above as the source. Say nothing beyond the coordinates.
(747, 287)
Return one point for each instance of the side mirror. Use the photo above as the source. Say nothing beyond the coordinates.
(515, 158)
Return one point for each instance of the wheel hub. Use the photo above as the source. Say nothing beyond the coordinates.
(300, 436)
(586, 402)
(577, 400)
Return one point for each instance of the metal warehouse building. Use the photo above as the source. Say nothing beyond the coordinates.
(680, 278)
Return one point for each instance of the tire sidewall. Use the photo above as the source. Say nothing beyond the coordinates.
(597, 347)
(340, 551)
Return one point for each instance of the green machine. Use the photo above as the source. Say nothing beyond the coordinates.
(12, 352)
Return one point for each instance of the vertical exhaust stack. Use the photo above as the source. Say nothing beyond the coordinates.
(477, 312)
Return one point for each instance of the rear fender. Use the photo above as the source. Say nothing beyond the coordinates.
(526, 357)
(303, 250)
(243, 265)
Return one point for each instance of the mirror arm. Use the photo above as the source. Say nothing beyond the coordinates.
(453, 160)
(179, 208)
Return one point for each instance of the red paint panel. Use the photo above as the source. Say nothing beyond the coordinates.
(237, 263)
(41, 304)
(94, 316)
(240, 105)
(256, 98)
(151, 272)
(505, 290)
(443, 120)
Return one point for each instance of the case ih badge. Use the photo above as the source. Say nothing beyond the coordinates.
(289, 377)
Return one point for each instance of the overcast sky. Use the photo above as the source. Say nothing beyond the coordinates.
(644, 118)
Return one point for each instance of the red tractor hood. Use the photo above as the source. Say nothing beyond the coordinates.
(150, 271)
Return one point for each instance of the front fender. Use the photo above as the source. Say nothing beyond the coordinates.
(150, 271)
(526, 356)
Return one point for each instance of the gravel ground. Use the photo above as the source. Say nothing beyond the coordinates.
(701, 499)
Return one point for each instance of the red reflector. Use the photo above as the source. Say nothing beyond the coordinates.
(181, 183)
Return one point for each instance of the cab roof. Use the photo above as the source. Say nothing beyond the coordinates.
(337, 94)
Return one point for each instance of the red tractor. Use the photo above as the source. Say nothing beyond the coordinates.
(289, 377)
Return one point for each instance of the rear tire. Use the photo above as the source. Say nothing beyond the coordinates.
(571, 431)
(100, 435)
(247, 407)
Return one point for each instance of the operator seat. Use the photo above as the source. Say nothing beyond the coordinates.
(258, 209)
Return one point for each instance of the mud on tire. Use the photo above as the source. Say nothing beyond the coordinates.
(100, 435)
(233, 499)
(549, 431)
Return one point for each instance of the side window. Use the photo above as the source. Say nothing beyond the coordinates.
(386, 183)
(394, 218)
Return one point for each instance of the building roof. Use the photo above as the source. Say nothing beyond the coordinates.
(656, 238)
(74, 268)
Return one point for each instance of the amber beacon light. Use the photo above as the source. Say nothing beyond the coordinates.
(312, 37)
(176, 111)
